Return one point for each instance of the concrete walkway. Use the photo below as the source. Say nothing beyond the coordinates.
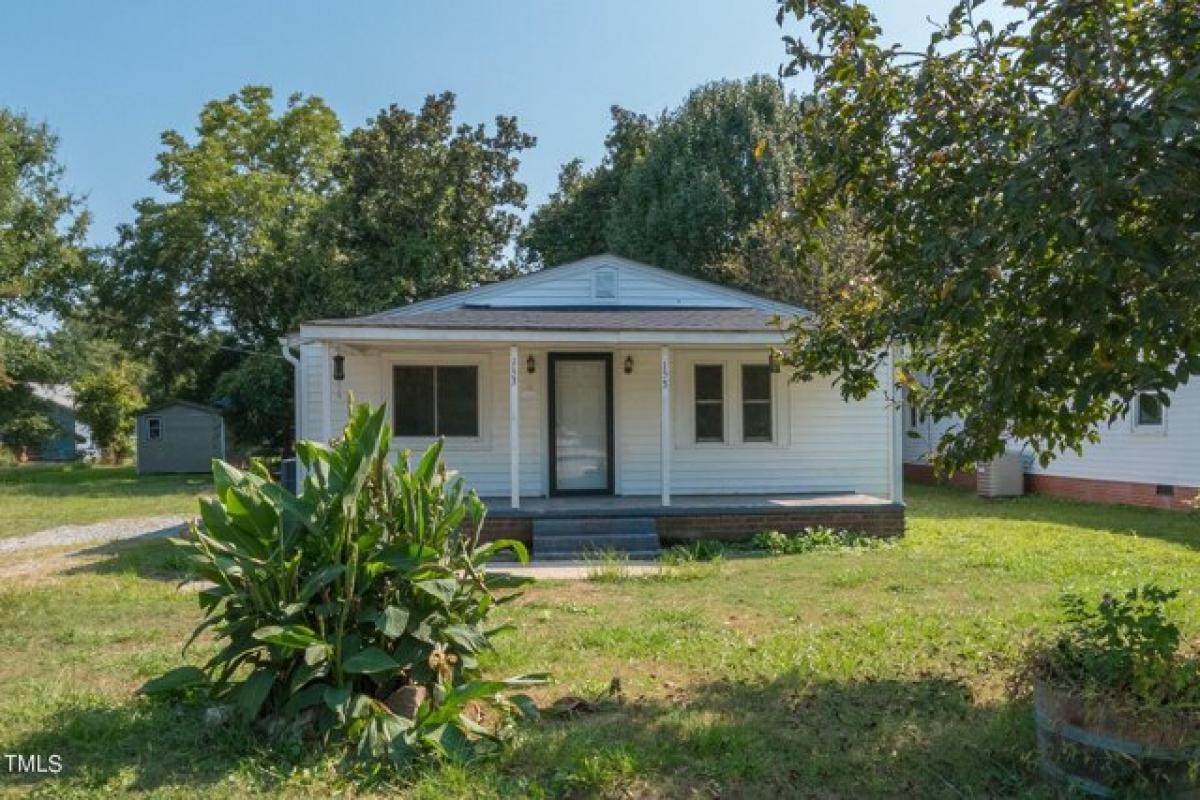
(569, 570)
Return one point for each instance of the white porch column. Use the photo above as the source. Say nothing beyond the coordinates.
(514, 425)
(327, 394)
(664, 445)
(895, 432)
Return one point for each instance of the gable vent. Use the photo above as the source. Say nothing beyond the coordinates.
(604, 284)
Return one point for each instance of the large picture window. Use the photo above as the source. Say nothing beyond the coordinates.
(756, 403)
(435, 400)
(710, 402)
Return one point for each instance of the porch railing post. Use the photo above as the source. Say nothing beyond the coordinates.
(514, 426)
(664, 445)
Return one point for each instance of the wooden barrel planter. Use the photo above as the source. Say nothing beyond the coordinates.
(1103, 752)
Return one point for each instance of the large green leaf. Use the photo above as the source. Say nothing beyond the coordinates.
(392, 621)
(320, 579)
(467, 637)
(370, 661)
(441, 589)
(249, 696)
(293, 637)
(177, 680)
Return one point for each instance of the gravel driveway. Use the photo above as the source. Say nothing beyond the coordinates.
(108, 531)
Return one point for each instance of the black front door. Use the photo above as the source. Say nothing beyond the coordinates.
(581, 423)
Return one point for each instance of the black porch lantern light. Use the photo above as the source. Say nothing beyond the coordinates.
(339, 367)
(628, 365)
(775, 361)
(531, 365)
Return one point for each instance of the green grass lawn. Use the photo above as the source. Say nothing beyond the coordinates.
(38, 496)
(878, 673)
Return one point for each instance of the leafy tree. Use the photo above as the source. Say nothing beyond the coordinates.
(106, 400)
(219, 255)
(25, 421)
(1030, 190)
(572, 223)
(41, 225)
(706, 189)
(256, 398)
(423, 207)
(713, 168)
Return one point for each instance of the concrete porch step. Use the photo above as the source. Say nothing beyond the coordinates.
(577, 538)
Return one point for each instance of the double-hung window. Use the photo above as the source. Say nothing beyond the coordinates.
(756, 403)
(435, 400)
(709, 381)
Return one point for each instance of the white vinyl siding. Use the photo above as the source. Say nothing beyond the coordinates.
(821, 444)
(1168, 454)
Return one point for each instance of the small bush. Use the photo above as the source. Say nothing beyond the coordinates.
(697, 551)
(607, 565)
(814, 539)
(1124, 648)
(357, 610)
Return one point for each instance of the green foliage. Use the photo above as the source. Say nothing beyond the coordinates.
(572, 223)
(256, 398)
(222, 249)
(811, 540)
(41, 225)
(422, 208)
(713, 168)
(106, 400)
(704, 189)
(1124, 647)
(356, 610)
(698, 551)
(269, 216)
(607, 565)
(1029, 193)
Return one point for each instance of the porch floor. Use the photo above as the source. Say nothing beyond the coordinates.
(681, 505)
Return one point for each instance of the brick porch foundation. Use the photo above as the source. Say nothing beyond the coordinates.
(883, 520)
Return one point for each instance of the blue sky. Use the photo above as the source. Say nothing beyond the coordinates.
(110, 77)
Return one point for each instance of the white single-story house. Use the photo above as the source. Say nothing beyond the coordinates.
(1151, 457)
(610, 389)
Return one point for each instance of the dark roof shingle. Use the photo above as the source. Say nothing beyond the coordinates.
(574, 318)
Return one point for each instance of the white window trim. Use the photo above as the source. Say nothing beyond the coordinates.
(482, 363)
(162, 428)
(1140, 429)
(684, 402)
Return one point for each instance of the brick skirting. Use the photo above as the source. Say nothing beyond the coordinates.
(1111, 492)
(519, 528)
(882, 521)
(740, 525)
(923, 473)
(1088, 490)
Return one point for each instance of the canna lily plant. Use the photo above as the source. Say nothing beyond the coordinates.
(356, 609)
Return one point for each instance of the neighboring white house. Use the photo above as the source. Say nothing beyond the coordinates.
(1151, 457)
(617, 380)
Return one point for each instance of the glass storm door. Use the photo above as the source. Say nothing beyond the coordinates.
(580, 423)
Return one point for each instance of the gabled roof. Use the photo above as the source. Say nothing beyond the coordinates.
(185, 403)
(575, 318)
(672, 292)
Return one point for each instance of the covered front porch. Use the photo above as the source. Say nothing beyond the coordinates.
(551, 524)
